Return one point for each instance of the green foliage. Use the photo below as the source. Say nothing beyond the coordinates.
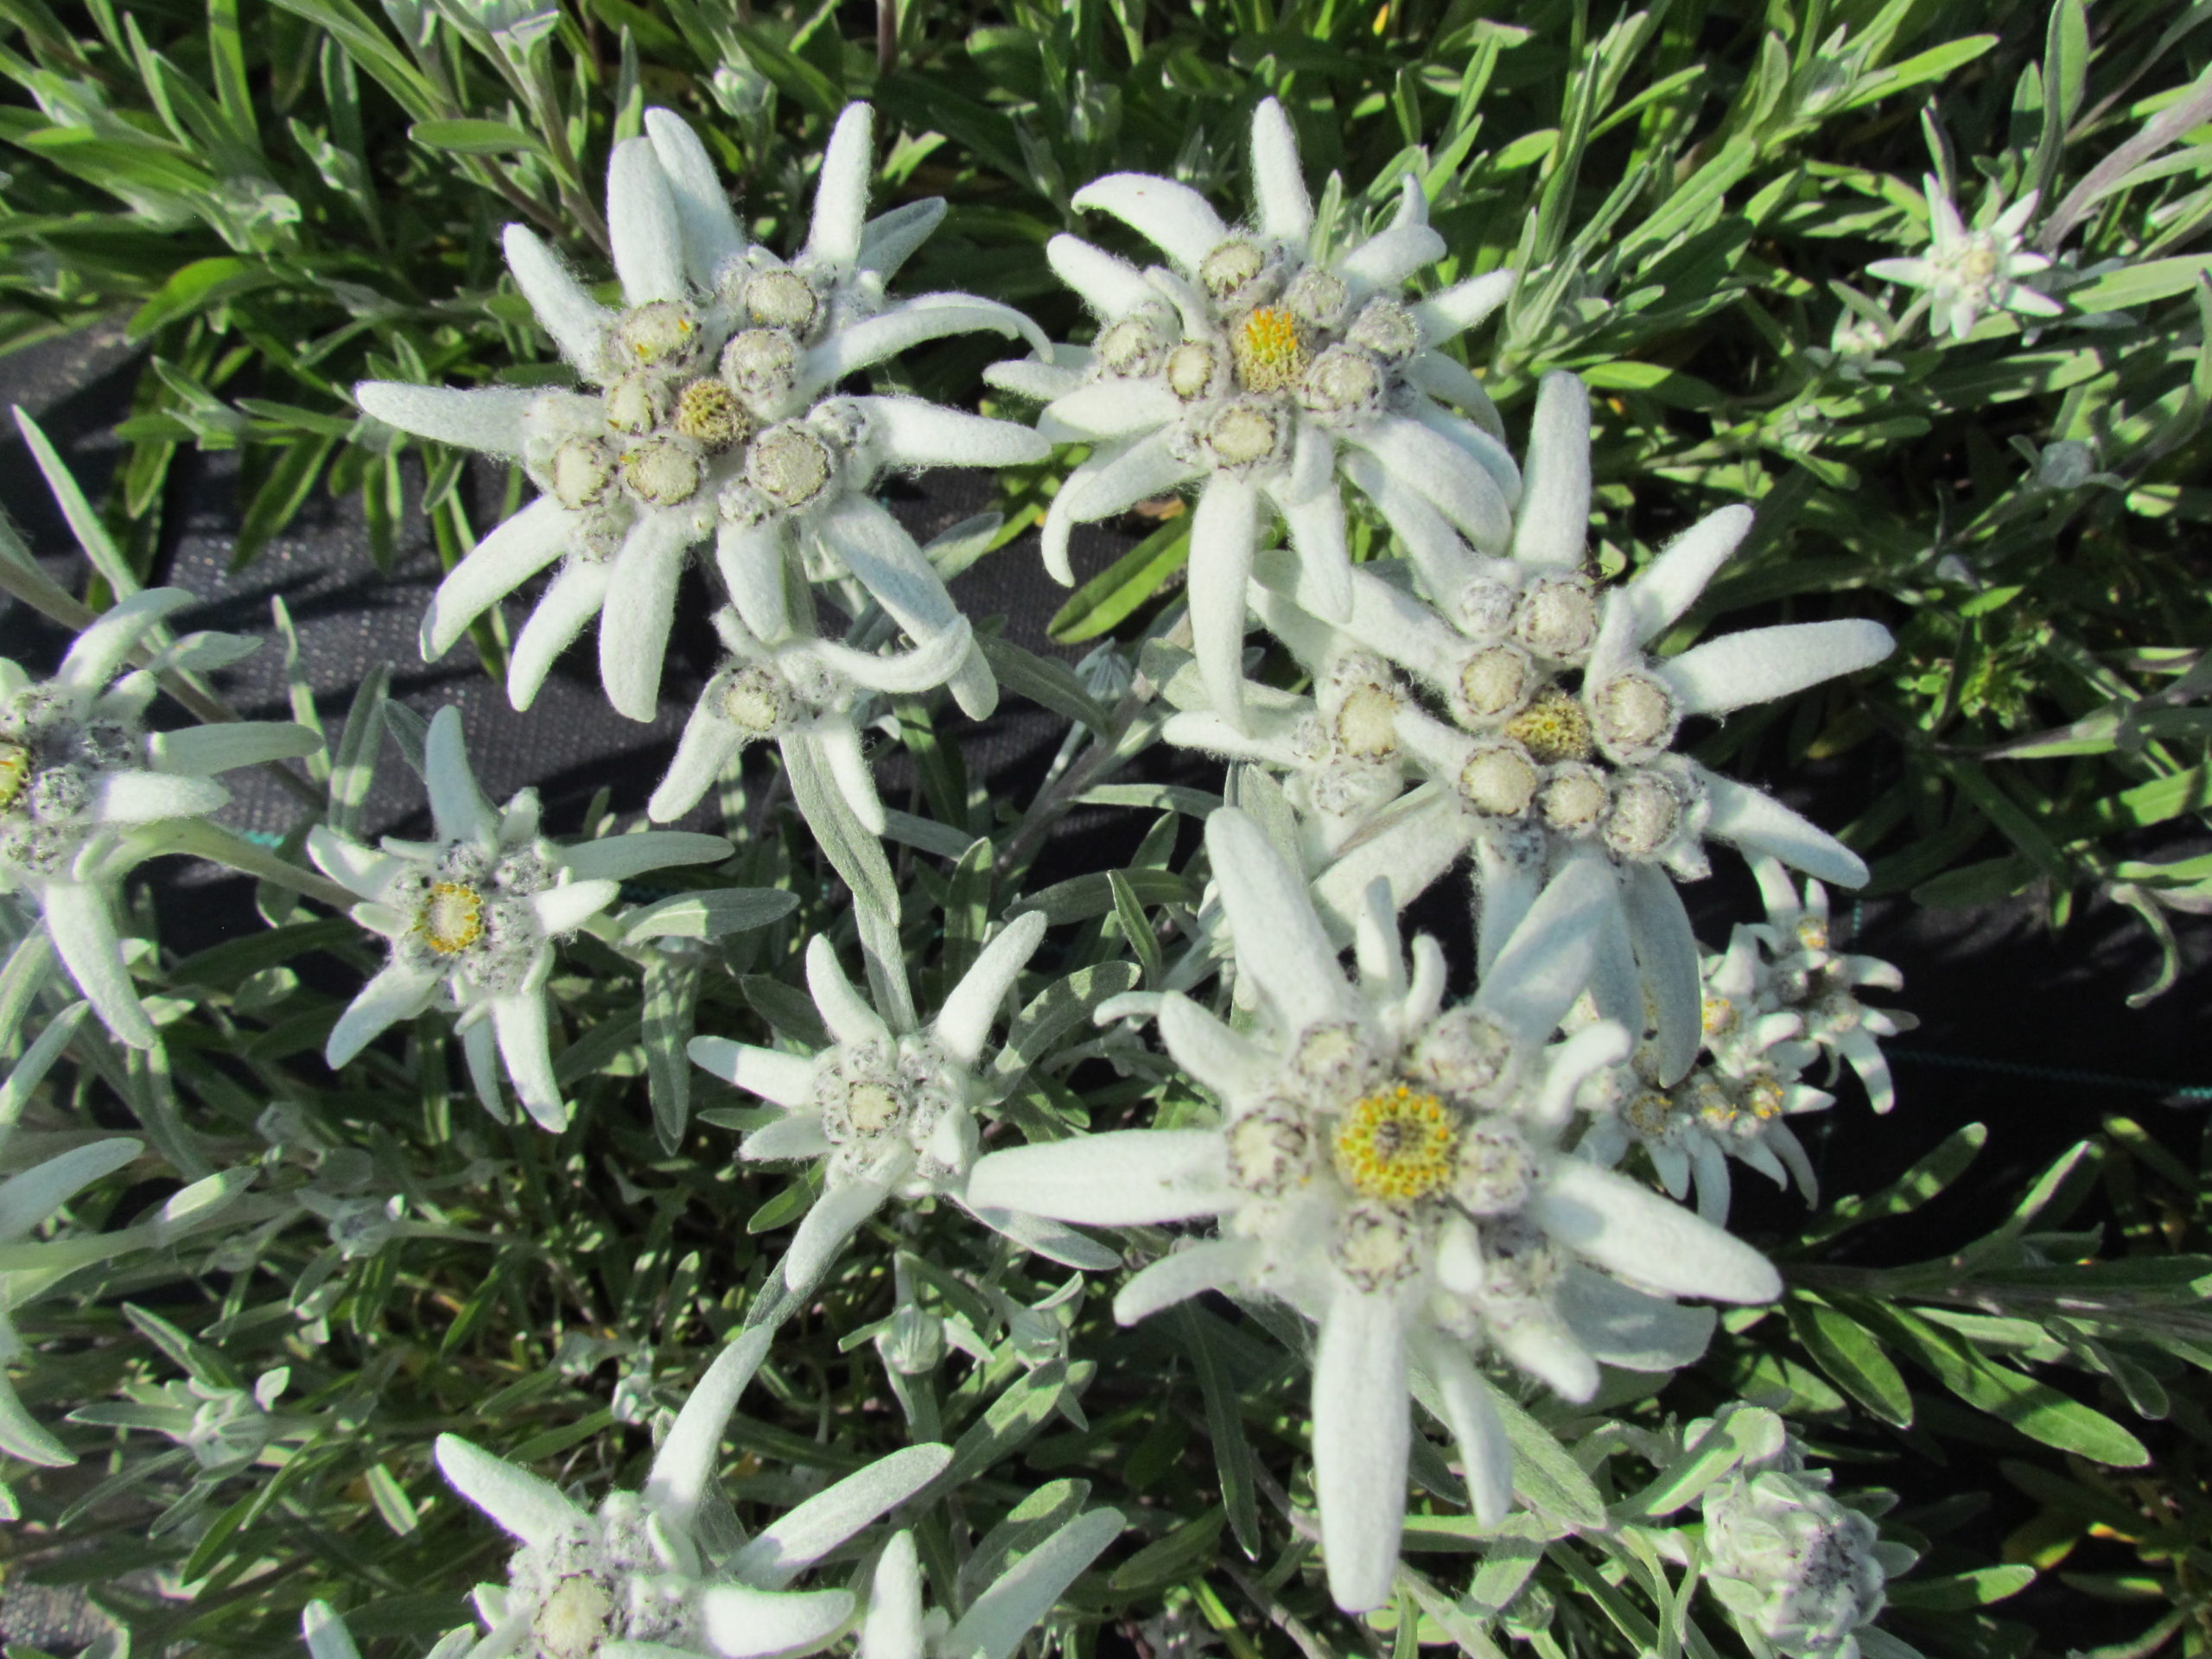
(279, 200)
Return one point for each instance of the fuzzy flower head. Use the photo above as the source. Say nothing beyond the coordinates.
(1264, 365)
(1387, 1166)
(472, 917)
(893, 1112)
(632, 1571)
(1800, 1571)
(709, 417)
(1967, 272)
(1548, 730)
(83, 786)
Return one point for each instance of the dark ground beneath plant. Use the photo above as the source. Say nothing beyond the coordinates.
(2026, 1033)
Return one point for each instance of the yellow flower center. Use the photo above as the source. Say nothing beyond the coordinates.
(452, 919)
(1719, 1016)
(14, 771)
(1649, 1112)
(1269, 353)
(1554, 728)
(1397, 1146)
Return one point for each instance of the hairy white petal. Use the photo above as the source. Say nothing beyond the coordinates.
(1760, 664)
(801, 1537)
(1172, 217)
(1211, 1264)
(577, 322)
(1108, 284)
(570, 600)
(1632, 1232)
(521, 1025)
(842, 1009)
(1763, 824)
(525, 1506)
(685, 1463)
(1124, 1178)
(713, 239)
(964, 1022)
(742, 1622)
(514, 552)
(82, 928)
(488, 419)
(1279, 941)
(1362, 1433)
(1552, 527)
(833, 236)
(1670, 584)
(1278, 187)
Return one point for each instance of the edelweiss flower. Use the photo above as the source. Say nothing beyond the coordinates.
(709, 419)
(1967, 272)
(802, 691)
(84, 787)
(473, 915)
(26, 1201)
(1386, 1166)
(1734, 1104)
(1797, 1571)
(894, 1112)
(1261, 365)
(634, 1573)
(1561, 725)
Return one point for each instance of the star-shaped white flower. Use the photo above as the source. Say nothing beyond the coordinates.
(805, 691)
(893, 1112)
(473, 918)
(1387, 1167)
(634, 1576)
(1555, 739)
(1262, 364)
(1796, 969)
(85, 787)
(710, 418)
(1968, 271)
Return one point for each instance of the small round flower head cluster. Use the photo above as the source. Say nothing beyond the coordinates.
(1788, 963)
(1802, 1572)
(895, 1107)
(468, 915)
(52, 758)
(891, 1109)
(473, 918)
(634, 1572)
(1770, 1005)
(618, 1578)
(1969, 271)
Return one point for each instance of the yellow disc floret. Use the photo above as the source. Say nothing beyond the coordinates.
(1553, 728)
(451, 918)
(1269, 353)
(1397, 1146)
(14, 771)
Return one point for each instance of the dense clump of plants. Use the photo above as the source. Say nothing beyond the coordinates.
(1530, 448)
